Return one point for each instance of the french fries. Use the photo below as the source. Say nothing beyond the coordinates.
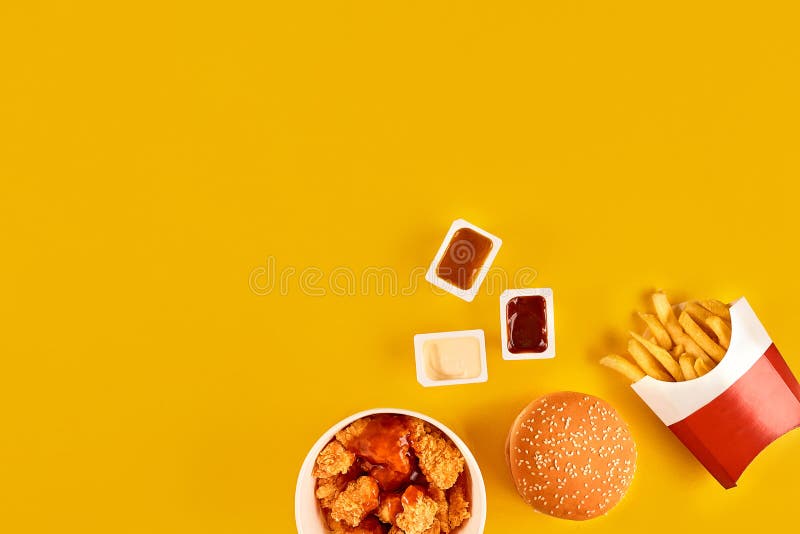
(701, 338)
(701, 367)
(647, 362)
(699, 314)
(657, 329)
(662, 355)
(717, 308)
(721, 330)
(621, 365)
(687, 367)
(670, 322)
(677, 348)
(665, 313)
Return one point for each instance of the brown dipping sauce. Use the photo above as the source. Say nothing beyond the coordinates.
(465, 255)
(385, 447)
(411, 495)
(526, 321)
(384, 441)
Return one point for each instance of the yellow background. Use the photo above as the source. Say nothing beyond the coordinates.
(153, 155)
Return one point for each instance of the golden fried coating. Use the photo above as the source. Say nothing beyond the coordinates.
(419, 512)
(458, 505)
(361, 472)
(439, 459)
(333, 525)
(359, 498)
(390, 506)
(383, 442)
(349, 433)
(329, 488)
(418, 428)
(435, 529)
(333, 460)
(369, 525)
(440, 498)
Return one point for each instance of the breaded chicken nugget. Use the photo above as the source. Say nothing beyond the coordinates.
(439, 459)
(440, 498)
(333, 460)
(358, 499)
(352, 431)
(329, 488)
(419, 511)
(390, 506)
(369, 525)
(458, 506)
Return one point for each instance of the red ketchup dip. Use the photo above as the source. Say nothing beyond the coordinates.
(526, 323)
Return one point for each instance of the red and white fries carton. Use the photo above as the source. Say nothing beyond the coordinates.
(731, 414)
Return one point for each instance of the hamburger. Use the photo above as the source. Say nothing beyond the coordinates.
(571, 455)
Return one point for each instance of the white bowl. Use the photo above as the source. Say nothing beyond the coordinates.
(308, 515)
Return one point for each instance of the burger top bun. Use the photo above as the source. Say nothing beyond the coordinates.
(571, 455)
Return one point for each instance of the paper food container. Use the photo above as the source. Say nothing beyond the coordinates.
(732, 413)
(308, 515)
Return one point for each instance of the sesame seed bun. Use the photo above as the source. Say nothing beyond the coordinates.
(571, 455)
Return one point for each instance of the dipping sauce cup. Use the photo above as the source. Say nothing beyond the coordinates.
(450, 358)
(527, 324)
(463, 259)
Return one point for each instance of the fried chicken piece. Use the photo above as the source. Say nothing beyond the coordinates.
(358, 499)
(333, 460)
(381, 440)
(390, 506)
(440, 498)
(334, 525)
(388, 479)
(328, 489)
(439, 459)
(346, 435)
(369, 525)
(435, 529)
(419, 511)
(458, 506)
(418, 428)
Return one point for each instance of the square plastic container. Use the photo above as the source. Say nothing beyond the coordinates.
(463, 259)
(510, 296)
(451, 358)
